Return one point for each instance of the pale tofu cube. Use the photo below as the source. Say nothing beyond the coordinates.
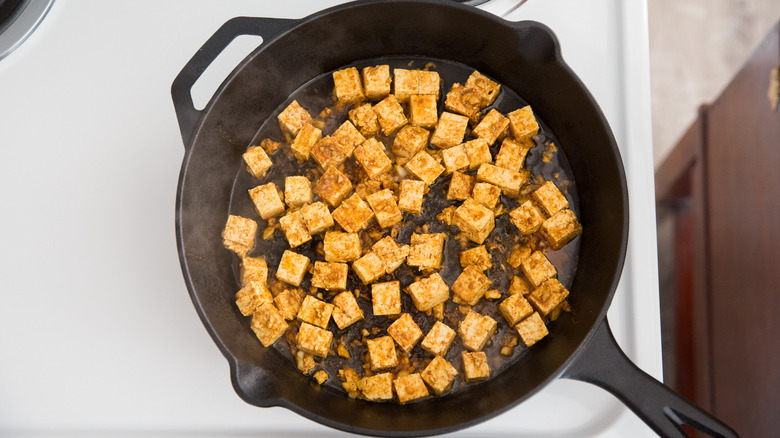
(252, 296)
(376, 81)
(560, 228)
(550, 198)
(368, 268)
(317, 217)
(527, 217)
(267, 200)
(365, 120)
(491, 127)
(378, 387)
(292, 268)
(314, 340)
(386, 298)
(353, 214)
(439, 375)
(253, 269)
(470, 286)
(422, 110)
(488, 90)
(531, 329)
(385, 208)
(518, 255)
(486, 194)
(427, 250)
(464, 101)
(548, 296)
(330, 276)
(347, 310)
(475, 366)
(348, 138)
(268, 324)
(341, 247)
(297, 191)
(381, 353)
(512, 154)
(461, 186)
(257, 161)
(438, 339)
(509, 181)
(455, 158)
(518, 286)
(429, 292)
(333, 186)
(537, 268)
(239, 234)
(523, 124)
(390, 114)
(391, 255)
(307, 137)
(328, 152)
(424, 167)
(293, 118)
(372, 158)
(475, 330)
(347, 86)
(289, 303)
(449, 131)
(406, 83)
(478, 152)
(477, 257)
(410, 388)
(294, 229)
(428, 83)
(475, 220)
(405, 332)
(410, 140)
(410, 196)
(315, 312)
(515, 308)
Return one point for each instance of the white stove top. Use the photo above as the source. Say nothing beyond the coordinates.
(97, 331)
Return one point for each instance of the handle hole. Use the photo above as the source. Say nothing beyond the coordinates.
(208, 82)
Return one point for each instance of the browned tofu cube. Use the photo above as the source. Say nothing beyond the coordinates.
(518, 255)
(527, 217)
(314, 340)
(439, 339)
(464, 101)
(426, 250)
(239, 234)
(509, 181)
(478, 152)
(252, 296)
(519, 286)
(253, 269)
(486, 194)
(406, 83)
(307, 137)
(372, 158)
(488, 90)
(475, 220)
(267, 199)
(455, 158)
(386, 298)
(317, 217)
(424, 167)
(531, 329)
(294, 229)
(378, 387)
(297, 191)
(376, 81)
(461, 186)
(289, 303)
(410, 388)
(268, 324)
(341, 247)
(429, 292)
(405, 332)
(330, 276)
(475, 330)
(522, 123)
(477, 257)
(365, 120)
(410, 140)
(475, 366)
(353, 214)
(449, 131)
(537, 268)
(348, 138)
(428, 83)
(548, 296)
(333, 186)
(347, 311)
(292, 119)
(257, 161)
(328, 152)
(315, 312)
(470, 286)
(391, 255)
(560, 228)
(390, 114)
(515, 308)
(385, 208)
(320, 376)
(512, 154)
(492, 126)
(381, 353)
(369, 268)
(439, 375)
(422, 110)
(550, 198)
(347, 86)
(292, 268)
(410, 196)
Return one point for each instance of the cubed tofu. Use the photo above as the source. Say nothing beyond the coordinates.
(461, 186)
(320, 376)
(348, 138)
(470, 286)
(267, 199)
(391, 255)
(314, 340)
(429, 292)
(410, 196)
(522, 123)
(427, 250)
(252, 296)
(438, 339)
(422, 110)
(406, 83)
(492, 126)
(410, 387)
(428, 83)
(315, 312)
(328, 152)
(486, 194)
(365, 120)
(509, 181)
(405, 332)
(449, 131)
(347, 86)
(390, 114)
(239, 234)
(517, 255)
(537, 268)
(253, 269)
(257, 161)
(297, 191)
(353, 214)
(548, 296)
(410, 140)
(330, 276)
(560, 228)
(455, 158)
(527, 217)
(531, 329)
(368, 268)
(424, 167)
(386, 298)
(475, 220)
(519, 286)
(515, 308)
(464, 101)
(347, 310)
(317, 217)
(550, 198)
(478, 152)
(385, 208)
(268, 324)
(341, 247)
(289, 303)
(376, 81)
(475, 330)
(292, 119)
(292, 268)
(294, 229)
(372, 158)
(378, 387)
(381, 353)
(477, 257)
(488, 90)
(333, 186)
(475, 366)
(307, 137)
(512, 154)
(439, 375)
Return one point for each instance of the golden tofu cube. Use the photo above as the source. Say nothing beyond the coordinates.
(429, 292)
(390, 114)
(560, 228)
(438, 339)
(410, 388)
(488, 90)
(405, 332)
(292, 268)
(365, 120)
(386, 298)
(391, 255)
(347, 310)
(477, 257)
(381, 353)
(470, 286)
(550, 198)
(409, 141)
(461, 186)
(376, 81)
(527, 218)
(314, 340)
(297, 191)
(330, 276)
(368, 268)
(439, 375)
(475, 330)
(424, 167)
(455, 158)
(464, 101)
(378, 387)
(537, 268)
(428, 83)
(257, 161)
(478, 152)
(422, 110)
(515, 308)
(372, 158)
(317, 217)
(328, 152)
(486, 194)
(531, 329)
(518, 255)
(252, 296)
(353, 214)
(315, 312)
(522, 123)
(321, 376)
(307, 137)
(509, 181)
(410, 196)
(475, 366)
(239, 234)
(518, 286)
(406, 83)
(253, 269)
(268, 324)
(292, 119)
(289, 303)
(449, 131)
(385, 208)
(493, 294)
(512, 154)
(426, 250)
(333, 186)
(294, 229)
(548, 296)
(267, 200)
(475, 220)
(492, 126)
(347, 86)
(348, 138)
(341, 247)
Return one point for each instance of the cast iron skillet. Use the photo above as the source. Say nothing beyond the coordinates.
(523, 56)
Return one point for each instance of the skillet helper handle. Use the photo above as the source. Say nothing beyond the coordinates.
(604, 364)
(180, 90)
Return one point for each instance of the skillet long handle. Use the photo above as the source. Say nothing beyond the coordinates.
(180, 90)
(603, 363)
